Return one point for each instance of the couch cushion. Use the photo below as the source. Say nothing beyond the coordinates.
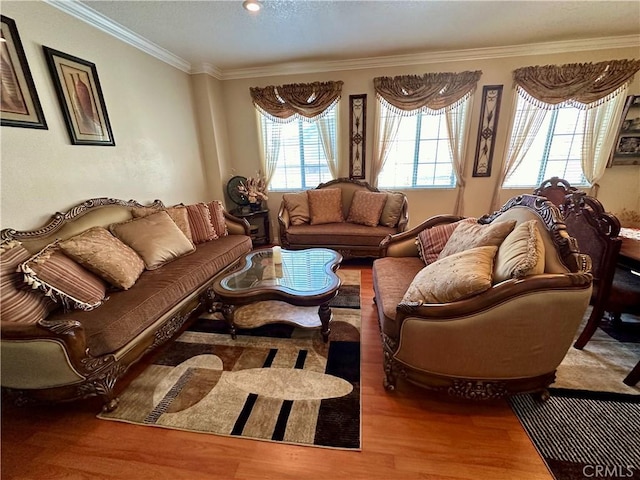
(325, 205)
(391, 279)
(392, 209)
(156, 238)
(472, 235)
(178, 214)
(202, 229)
(106, 256)
(128, 313)
(18, 303)
(338, 234)
(431, 241)
(217, 218)
(366, 207)
(64, 280)
(454, 277)
(521, 253)
(297, 204)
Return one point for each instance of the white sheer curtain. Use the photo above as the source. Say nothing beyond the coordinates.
(326, 132)
(526, 124)
(458, 126)
(600, 125)
(385, 133)
(270, 139)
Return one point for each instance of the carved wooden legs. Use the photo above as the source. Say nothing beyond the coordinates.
(390, 378)
(542, 395)
(324, 312)
(228, 312)
(590, 328)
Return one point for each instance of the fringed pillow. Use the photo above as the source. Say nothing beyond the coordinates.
(19, 304)
(521, 254)
(431, 241)
(64, 280)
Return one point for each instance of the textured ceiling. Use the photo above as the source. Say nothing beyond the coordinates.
(223, 35)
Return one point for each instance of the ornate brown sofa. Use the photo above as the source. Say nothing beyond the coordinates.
(507, 339)
(75, 354)
(298, 230)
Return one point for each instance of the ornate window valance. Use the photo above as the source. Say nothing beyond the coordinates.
(434, 91)
(308, 100)
(581, 85)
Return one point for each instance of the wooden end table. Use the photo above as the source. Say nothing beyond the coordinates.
(305, 278)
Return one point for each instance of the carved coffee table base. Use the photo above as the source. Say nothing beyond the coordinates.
(294, 318)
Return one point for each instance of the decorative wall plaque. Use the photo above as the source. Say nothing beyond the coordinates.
(357, 134)
(491, 96)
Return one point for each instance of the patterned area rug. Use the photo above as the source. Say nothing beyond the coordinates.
(590, 427)
(275, 382)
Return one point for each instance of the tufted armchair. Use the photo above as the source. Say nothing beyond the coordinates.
(507, 339)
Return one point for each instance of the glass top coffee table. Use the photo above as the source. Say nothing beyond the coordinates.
(305, 278)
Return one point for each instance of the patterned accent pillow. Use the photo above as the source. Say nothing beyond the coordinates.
(392, 209)
(64, 280)
(17, 303)
(325, 205)
(431, 241)
(178, 214)
(216, 210)
(297, 204)
(156, 238)
(366, 207)
(472, 235)
(202, 229)
(455, 277)
(106, 256)
(521, 253)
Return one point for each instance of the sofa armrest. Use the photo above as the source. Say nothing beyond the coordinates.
(403, 244)
(236, 225)
(499, 293)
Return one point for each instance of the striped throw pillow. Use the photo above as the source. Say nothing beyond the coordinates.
(64, 280)
(431, 241)
(19, 304)
(200, 223)
(217, 218)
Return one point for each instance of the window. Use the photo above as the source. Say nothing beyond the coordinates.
(420, 154)
(301, 159)
(556, 150)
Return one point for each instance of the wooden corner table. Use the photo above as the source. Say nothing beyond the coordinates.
(250, 292)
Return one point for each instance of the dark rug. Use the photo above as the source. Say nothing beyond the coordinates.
(590, 427)
(275, 382)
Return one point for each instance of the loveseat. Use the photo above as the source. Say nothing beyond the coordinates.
(110, 280)
(481, 308)
(346, 215)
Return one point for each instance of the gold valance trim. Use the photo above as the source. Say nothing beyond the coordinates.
(581, 85)
(429, 92)
(284, 103)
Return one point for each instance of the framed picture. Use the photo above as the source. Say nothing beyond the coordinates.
(491, 96)
(626, 150)
(357, 134)
(19, 104)
(80, 96)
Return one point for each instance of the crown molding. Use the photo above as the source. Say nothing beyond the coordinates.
(99, 21)
(209, 69)
(546, 48)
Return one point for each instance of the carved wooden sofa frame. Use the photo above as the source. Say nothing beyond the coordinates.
(472, 312)
(80, 375)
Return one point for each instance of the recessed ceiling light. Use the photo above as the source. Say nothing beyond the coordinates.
(252, 5)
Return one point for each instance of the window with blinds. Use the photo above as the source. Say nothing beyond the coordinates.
(302, 163)
(556, 150)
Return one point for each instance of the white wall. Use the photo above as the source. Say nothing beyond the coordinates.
(152, 114)
(619, 187)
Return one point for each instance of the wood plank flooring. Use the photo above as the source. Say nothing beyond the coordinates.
(408, 434)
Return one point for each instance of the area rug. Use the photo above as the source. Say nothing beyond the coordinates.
(274, 383)
(590, 427)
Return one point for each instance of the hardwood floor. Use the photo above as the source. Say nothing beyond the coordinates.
(408, 434)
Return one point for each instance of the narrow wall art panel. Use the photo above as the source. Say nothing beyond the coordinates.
(491, 96)
(357, 135)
